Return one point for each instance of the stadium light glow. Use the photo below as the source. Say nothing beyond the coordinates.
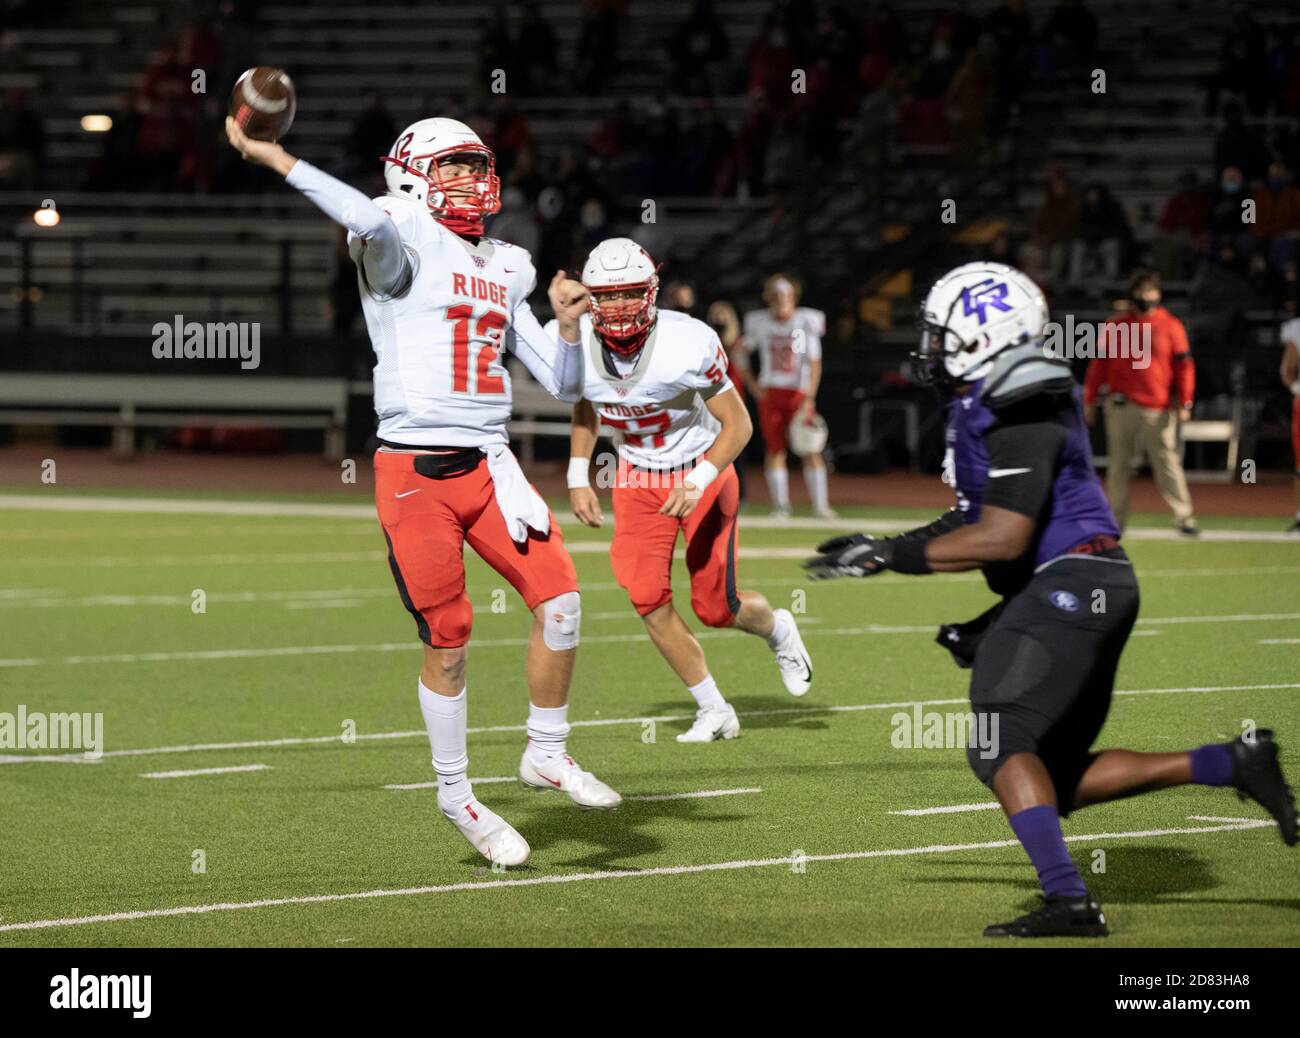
(96, 123)
(47, 217)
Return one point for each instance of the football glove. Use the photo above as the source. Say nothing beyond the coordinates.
(853, 555)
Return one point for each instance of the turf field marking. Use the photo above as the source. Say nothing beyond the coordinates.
(204, 771)
(655, 797)
(499, 643)
(309, 740)
(586, 877)
(1214, 818)
(1279, 641)
(951, 809)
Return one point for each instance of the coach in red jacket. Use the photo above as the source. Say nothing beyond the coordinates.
(1145, 402)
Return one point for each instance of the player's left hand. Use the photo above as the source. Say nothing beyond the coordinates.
(1185, 413)
(853, 555)
(681, 501)
(807, 409)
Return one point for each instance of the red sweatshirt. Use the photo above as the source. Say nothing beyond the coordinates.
(1171, 373)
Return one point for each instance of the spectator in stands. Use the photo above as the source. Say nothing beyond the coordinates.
(1219, 298)
(1145, 404)
(22, 142)
(1238, 145)
(1243, 68)
(883, 30)
(510, 133)
(1227, 217)
(697, 49)
(496, 46)
(371, 135)
(1181, 230)
(1276, 229)
(1103, 238)
(1053, 228)
(969, 98)
(1071, 32)
(679, 295)
(770, 63)
(597, 53)
(535, 50)
(1286, 72)
(516, 223)
(1013, 31)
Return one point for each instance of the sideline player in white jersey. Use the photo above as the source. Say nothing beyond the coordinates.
(658, 378)
(1290, 374)
(788, 340)
(442, 303)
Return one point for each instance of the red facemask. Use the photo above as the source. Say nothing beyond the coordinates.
(462, 217)
(624, 324)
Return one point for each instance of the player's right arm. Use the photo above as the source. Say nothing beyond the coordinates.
(743, 358)
(1290, 370)
(582, 442)
(383, 258)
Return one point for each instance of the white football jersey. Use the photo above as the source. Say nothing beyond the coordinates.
(440, 377)
(1291, 331)
(785, 348)
(657, 408)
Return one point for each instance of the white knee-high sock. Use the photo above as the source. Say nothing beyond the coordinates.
(815, 478)
(548, 727)
(778, 487)
(445, 719)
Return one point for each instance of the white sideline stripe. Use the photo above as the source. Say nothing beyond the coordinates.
(434, 784)
(1215, 818)
(85, 503)
(204, 771)
(583, 877)
(498, 643)
(308, 740)
(695, 796)
(1279, 641)
(951, 809)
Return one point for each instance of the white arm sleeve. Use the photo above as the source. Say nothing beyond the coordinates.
(386, 267)
(556, 364)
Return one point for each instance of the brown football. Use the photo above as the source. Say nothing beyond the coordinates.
(263, 103)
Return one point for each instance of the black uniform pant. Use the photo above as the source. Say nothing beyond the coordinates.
(1045, 669)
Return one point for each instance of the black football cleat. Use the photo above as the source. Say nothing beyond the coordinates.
(1057, 917)
(1256, 774)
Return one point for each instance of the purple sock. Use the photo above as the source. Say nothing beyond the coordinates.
(1212, 765)
(1039, 830)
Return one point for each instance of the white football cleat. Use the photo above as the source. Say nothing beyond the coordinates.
(780, 514)
(713, 722)
(792, 658)
(826, 513)
(562, 772)
(490, 834)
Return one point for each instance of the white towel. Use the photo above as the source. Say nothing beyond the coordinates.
(521, 506)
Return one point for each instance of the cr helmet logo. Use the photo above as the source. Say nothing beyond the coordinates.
(975, 298)
(1064, 600)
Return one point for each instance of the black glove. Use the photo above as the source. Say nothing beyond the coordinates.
(963, 640)
(853, 555)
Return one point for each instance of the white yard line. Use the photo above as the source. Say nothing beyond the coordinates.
(702, 794)
(434, 785)
(204, 771)
(499, 643)
(316, 740)
(1215, 818)
(951, 809)
(1279, 641)
(589, 877)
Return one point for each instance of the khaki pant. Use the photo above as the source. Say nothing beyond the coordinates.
(1129, 427)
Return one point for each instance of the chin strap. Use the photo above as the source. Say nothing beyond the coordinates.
(462, 225)
(628, 346)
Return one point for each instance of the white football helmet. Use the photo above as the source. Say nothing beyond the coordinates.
(970, 315)
(623, 284)
(411, 169)
(808, 437)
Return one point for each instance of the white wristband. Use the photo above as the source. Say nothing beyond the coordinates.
(578, 473)
(1295, 387)
(704, 473)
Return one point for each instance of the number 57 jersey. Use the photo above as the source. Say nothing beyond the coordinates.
(440, 376)
(656, 401)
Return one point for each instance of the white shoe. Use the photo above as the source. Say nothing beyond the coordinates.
(826, 513)
(562, 772)
(713, 722)
(781, 514)
(792, 658)
(490, 834)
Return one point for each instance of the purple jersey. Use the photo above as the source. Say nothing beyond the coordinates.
(1040, 448)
